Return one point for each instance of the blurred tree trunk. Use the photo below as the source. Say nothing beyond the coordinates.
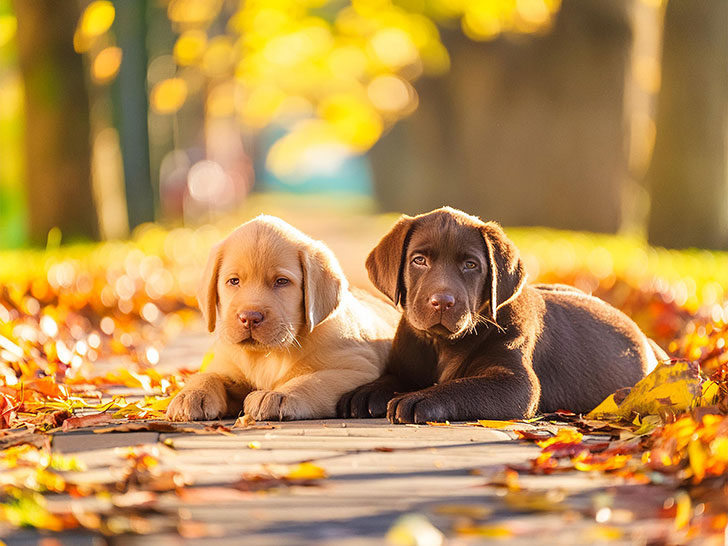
(131, 109)
(57, 146)
(527, 130)
(688, 176)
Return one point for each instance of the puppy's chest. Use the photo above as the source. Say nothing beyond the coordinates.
(454, 362)
(449, 368)
(266, 371)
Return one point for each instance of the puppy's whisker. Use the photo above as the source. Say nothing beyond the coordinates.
(482, 319)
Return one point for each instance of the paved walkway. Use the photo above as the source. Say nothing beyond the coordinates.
(413, 484)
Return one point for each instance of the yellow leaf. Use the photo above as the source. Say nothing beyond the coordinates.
(156, 404)
(684, 506)
(565, 435)
(647, 424)
(306, 471)
(489, 423)
(600, 533)
(698, 459)
(673, 385)
(710, 393)
(485, 531)
(414, 529)
(606, 408)
(473, 511)
(550, 500)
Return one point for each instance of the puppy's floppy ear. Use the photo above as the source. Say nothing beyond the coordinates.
(385, 262)
(207, 291)
(507, 273)
(323, 283)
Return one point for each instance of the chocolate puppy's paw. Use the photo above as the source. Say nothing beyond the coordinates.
(369, 400)
(417, 407)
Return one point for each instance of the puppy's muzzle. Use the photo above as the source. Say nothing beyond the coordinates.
(250, 319)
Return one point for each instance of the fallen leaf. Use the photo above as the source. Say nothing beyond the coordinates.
(87, 421)
(148, 427)
(219, 428)
(600, 533)
(495, 424)
(678, 381)
(414, 529)
(533, 434)
(524, 500)
(684, 507)
(244, 422)
(485, 531)
(306, 471)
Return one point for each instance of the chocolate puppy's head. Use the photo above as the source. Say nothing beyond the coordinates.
(448, 270)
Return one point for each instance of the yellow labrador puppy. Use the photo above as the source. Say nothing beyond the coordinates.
(291, 337)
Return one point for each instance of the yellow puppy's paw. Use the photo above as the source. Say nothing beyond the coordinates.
(197, 405)
(272, 406)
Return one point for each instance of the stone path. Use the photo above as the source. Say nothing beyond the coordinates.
(421, 485)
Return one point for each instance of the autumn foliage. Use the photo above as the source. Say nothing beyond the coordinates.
(77, 323)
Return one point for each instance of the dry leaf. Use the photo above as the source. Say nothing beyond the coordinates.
(676, 385)
(87, 421)
(496, 424)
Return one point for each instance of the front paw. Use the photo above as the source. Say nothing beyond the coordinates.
(197, 405)
(417, 407)
(271, 406)
(369, 400)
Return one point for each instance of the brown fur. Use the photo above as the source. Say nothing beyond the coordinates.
(476, 341)
(314, 339)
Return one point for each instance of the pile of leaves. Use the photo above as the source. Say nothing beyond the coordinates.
(80, 325)
(76, 322)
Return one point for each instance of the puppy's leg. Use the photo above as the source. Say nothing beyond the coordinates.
(369, 400)
(207, 396)
(310, 396)
(498, 392)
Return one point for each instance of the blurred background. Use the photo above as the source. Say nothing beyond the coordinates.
(597, 115)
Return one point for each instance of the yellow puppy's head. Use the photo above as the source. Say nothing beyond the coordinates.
(268, 283)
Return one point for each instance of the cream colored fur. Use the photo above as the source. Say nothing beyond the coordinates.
(317, 341)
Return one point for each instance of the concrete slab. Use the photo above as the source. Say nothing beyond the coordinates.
(84, 441)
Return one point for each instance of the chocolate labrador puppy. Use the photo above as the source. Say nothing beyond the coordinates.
(476, 342)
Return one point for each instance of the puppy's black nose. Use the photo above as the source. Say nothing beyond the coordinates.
(250, 319)
(442, 302)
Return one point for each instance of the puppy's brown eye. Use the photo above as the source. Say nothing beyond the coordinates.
(419, 260)
(470, 264)
(233, 282)
(282, 281)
